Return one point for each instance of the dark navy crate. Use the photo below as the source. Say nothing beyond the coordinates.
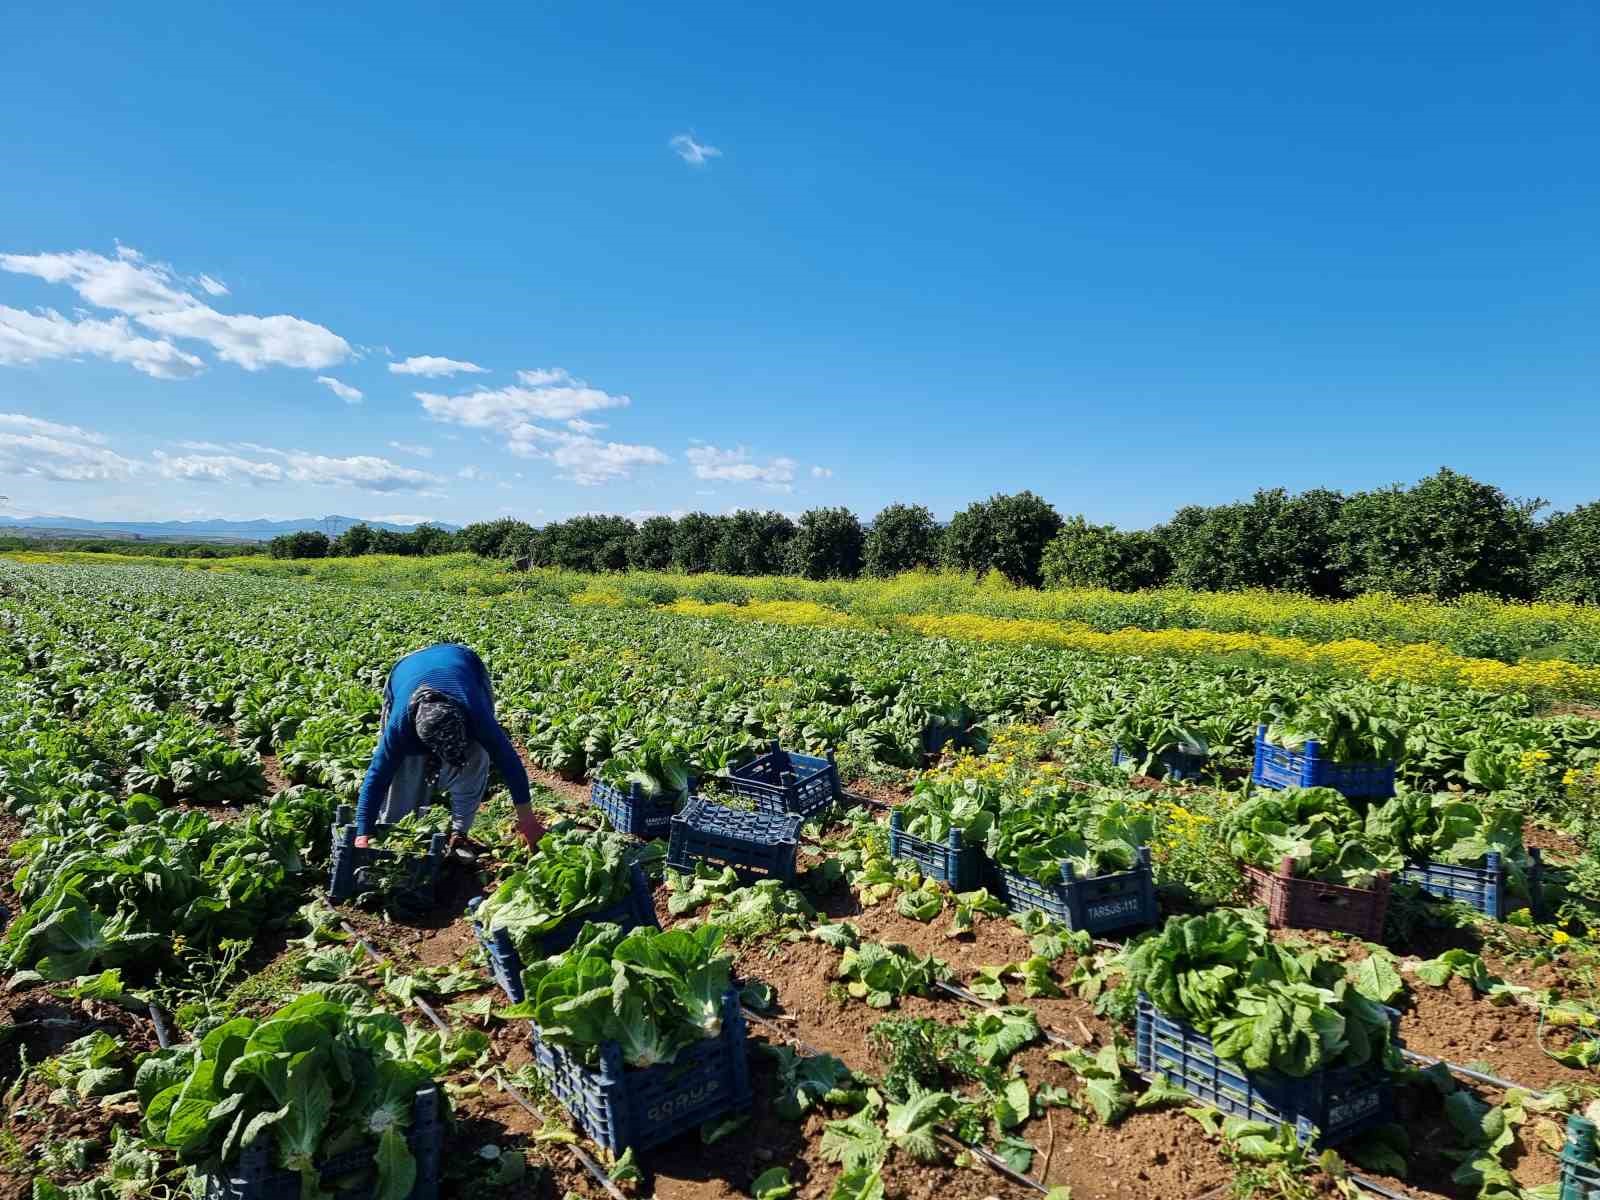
(1275, 767)
(962, 867)
(1580, 1171)
(779, 781)
(623, 1107)
(1483, 888)
(635, 909)
(348, 875)
(633, 812)
(1175, 764)
(254, 1177)
(1325, 1107)
(756, 844)
(1121, 900)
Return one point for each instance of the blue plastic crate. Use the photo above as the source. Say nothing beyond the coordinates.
(1175, 764)
(634, 813)
(622, 1107)
(1276, 767)
(1580, 1172)
(1326, 1107)
(635, 909)
(1121, 900)
(254, 1177)
(952, 863)
(1483, 888)
(756, 844)
(781, 782)
(347, 876)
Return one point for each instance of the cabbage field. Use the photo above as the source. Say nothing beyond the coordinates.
(181, 996)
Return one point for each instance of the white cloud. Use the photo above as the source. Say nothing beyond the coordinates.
(216, 463)
(212, 287)
(735, 466)
(548, 395)
(365, 471)
(29, 337)
(544, 395)
(433, 367)
(580, 458)
(471, 473)
(822, 472)
(693, 152)
(217, 468)
(413, 449)
(41, 449)
(344, 391)
(152, 294)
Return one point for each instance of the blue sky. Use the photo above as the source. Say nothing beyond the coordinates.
(1127, 256)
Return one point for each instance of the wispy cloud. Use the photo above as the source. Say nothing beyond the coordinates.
(344, 391)
(38, 449)
(548, 395)
(822, 472)
(212, 287)
(736, 466)
(217, 468)
(696, 154)
(152, 294)
(364, 471)
(30, 337)
(431, 366)
(413, 449)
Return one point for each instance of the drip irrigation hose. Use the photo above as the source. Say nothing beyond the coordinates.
(992, 1160)
(163, 1038)
(1372, 1185)
(583, 1156)
(1362, 1181)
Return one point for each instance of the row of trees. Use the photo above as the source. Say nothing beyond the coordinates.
(1445, 536)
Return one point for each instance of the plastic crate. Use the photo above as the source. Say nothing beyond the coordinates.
(1121, 900)
(1294, 903)
(634, 813)
(781, 782)
(347, 876)
(623, 1107)
(1580, 1172)
(756, 844)
(1276, 767)
(949, 862)
(1175, 764)
(1483, 888)
(505, 964)
(1326, 1107)
(254, 1177)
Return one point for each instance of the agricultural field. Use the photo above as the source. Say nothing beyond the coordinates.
(175, 744)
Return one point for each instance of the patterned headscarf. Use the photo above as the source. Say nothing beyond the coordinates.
(441, 726)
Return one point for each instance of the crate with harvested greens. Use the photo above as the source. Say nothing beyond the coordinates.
(401, 863)
(576, 876)
(318, 1098)
(638, 1034)
(1262, 1030)
(1326, 741)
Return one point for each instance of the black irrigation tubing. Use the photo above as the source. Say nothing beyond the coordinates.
(961, 993)
(992, 1160)
(1370, 1185)
(163, 1039)
(1469, 1073)
(582, 1155)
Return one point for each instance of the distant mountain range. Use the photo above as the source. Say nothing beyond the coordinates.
(192, 531)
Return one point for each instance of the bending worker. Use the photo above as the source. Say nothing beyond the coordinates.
(439, 729)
